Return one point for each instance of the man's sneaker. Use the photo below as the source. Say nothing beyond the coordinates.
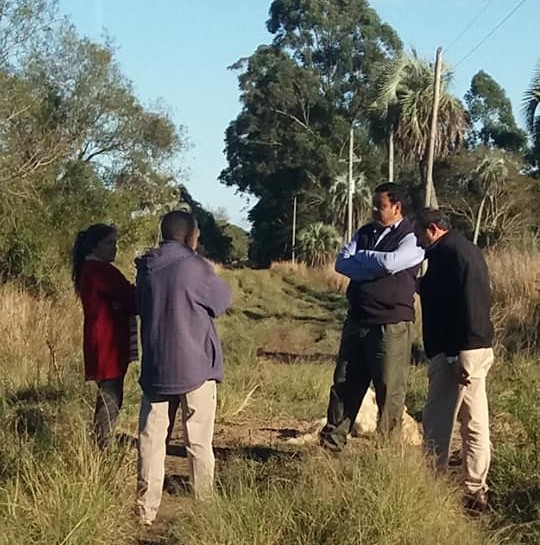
(476, 503)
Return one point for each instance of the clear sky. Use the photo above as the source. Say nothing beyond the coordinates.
(179, 51)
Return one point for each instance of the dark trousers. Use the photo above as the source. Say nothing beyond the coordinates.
(108, 404)
(379, 354)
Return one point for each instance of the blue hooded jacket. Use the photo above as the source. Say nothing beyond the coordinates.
(178, 295)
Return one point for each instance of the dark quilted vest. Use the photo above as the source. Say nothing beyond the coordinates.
(386, 300)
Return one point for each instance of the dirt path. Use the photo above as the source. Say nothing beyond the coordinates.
(255, 440)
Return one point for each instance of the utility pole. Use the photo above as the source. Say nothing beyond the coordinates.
(391, 155)
(294, 231)
(430, 199)
(351, 187)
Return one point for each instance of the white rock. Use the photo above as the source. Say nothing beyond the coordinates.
(365, 424)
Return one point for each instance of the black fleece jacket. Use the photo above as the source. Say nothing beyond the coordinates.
(456, 297)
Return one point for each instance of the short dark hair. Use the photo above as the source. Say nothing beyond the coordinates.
(429, 215)
(178, 224)
(396, 193)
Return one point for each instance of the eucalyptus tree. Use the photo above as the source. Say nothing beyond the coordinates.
(300, 96)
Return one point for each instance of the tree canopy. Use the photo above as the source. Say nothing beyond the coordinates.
(300, 97)
(492, 120)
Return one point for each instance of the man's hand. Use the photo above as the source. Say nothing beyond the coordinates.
(463, 376)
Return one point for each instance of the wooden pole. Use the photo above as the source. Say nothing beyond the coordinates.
(294, 231)
(351, 187)
(430, 199)
(391, 155)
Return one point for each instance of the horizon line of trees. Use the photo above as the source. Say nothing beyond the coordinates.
(335, 65)
(77, 146)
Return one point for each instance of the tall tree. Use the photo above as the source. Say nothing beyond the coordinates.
(491, 117)
(486, 191)
(405, 101)
(300, 97)
(76, 145)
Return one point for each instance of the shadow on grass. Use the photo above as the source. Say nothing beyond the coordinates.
(37, 394)
(292, 358)
(256, 453)
(257, 316)
(328, 300)
(177, 485)
(519, 505)
(285, 433)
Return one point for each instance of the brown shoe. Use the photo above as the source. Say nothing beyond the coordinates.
(476, 503)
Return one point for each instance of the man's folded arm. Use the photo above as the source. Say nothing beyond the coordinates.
(349, 267)
(407, 255)
(364, 265)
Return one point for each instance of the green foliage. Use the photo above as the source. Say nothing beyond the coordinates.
(405, 99)
(318, 243)
(300, 97)
(531, 102)
(239, 250)
(491, 117)
(77, 147)
(471, 178)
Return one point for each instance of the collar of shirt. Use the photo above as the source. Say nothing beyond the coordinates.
(385, 230)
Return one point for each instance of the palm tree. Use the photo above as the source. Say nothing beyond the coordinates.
(337, 205)
(531, 103)
(485, 180)
(318, 243)
(405, 101)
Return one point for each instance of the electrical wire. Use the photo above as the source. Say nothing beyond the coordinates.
(485, 38)
(474, 19)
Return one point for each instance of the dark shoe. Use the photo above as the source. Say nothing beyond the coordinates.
(476, 503)
(328, 442)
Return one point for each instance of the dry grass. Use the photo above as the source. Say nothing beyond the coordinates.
(325, 276)
(70, 494)
(54, 488)
(375, 496)
(40, 337)
(515, 278)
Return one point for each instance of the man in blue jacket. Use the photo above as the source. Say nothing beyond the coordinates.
(179, 295)
(382, 261)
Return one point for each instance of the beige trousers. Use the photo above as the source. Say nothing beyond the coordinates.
(449, 402)
(198, 414)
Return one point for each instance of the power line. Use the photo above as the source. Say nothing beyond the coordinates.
(474, 19)
(483, 40)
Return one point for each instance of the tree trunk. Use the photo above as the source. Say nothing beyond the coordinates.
(391, 155)
(479, 219)
(433, 201)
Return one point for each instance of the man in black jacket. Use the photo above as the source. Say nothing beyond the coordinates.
(458, 337)
(382, 261)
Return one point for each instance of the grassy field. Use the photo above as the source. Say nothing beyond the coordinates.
(280, 339)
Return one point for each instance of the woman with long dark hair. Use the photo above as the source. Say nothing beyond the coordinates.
(108, 302)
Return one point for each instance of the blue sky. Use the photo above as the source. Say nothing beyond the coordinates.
(178, 51)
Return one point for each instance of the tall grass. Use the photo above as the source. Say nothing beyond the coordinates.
(41, 337)
(70, 494)
(515, 279)
(56, 489)
(370, 496)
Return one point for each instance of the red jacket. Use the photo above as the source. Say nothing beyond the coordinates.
(108, 301)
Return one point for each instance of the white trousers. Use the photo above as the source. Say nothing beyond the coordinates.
(449, 402)
(198, 415)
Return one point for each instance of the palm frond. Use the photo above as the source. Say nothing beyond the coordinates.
(531, 101)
